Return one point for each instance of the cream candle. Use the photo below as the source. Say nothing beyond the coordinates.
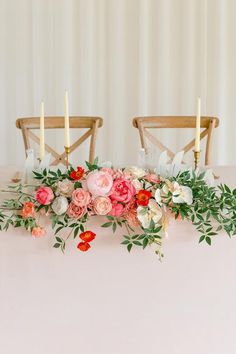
(198, 126)
(67, 124)
(41, 135)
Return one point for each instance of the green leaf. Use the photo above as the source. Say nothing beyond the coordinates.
(208, 240)
(125, 242)
(107, 224)
(137, 243)
(129, 246)
(56, 245)
(202, 238)
(145, 242)
(114, 226)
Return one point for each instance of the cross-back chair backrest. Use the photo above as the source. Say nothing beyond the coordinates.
(27, 125)
(143, 124)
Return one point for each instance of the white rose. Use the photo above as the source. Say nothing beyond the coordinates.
(137, 184)
(182, 194)
(135, 172)
(60, 205)
(65, 187)
(152, 212)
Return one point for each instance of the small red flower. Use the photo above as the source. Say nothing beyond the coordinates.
(83, 246)
(87, 236)
(77, 174)
(143, 197)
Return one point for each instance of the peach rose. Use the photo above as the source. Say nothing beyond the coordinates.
(65, 187)
(99, 183)
(76, 212)
(38, 231)
(81, 197)
(153, 178)
(122, 190)
(28, 210)
(102, 205)
(44, 195)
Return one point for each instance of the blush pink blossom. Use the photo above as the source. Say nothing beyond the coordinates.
(102, 205)
(152, 177)
(81, 197)
(75, 212)
(38, 231)
(44, 195)
(122, 190)
(117, 209)
(99, 183)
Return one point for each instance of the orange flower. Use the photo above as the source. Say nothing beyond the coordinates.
(27, 210)
(87, 236)
(77, 174)
(38, 231)
(83, 246)
(143, 197)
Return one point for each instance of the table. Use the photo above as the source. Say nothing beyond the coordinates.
(107, 301)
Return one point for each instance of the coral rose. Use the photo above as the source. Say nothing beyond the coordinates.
(76, 212)
(44, 195)
(65, 187)
(99, 183)
(38, 231)
(122, 190)
(102, 205)
(87, 236)
(28, 210)
(83, 246)
(81, 197)
(117, 209)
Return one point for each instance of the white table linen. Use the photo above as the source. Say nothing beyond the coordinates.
(107, 301)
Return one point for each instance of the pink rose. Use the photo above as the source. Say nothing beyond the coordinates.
(102, 205)
(38, 231)
(152, 177)
(44, 195)
(76, 212)
(122, 190)
(99, 183)
(117, 209)
(81, 197)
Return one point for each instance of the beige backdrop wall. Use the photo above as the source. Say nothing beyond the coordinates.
(118, 59)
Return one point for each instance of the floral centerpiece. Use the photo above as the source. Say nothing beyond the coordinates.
(132, 198)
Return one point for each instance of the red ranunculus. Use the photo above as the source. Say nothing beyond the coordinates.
(143, 197)
(83, 246)
(87, 236)
(77, 174)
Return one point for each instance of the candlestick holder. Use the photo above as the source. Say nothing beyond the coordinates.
(67, 151)
(196, 159)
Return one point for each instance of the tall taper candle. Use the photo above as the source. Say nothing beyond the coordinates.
(41, 136)
(198, 125)
(67, 125)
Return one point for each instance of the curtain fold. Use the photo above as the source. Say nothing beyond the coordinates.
(118, 59)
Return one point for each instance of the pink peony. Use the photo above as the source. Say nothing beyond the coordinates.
(76, 212)
(99, 183)
(38, 231)
(44, 195)
(117, 209)
(81, 197)
(102, 205)
(122, 190)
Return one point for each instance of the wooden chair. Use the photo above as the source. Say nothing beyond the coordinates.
(145, 123)
(91, 123)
